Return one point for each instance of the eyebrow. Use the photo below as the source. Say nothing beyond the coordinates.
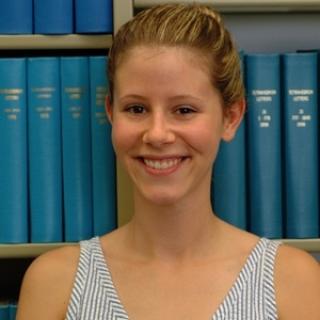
(173, 98)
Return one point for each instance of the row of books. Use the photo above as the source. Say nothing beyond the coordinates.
(57, 165)
(8, 311)
(267, 179)
(56, 17)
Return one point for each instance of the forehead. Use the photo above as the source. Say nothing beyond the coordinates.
(162, 73)
(139, 53)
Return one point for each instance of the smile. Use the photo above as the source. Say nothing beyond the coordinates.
(162, 164)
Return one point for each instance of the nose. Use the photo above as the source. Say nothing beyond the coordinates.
(158, 131)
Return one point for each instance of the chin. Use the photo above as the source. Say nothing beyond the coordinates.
(159, 198)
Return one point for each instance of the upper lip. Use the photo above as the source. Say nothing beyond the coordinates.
(161, 157)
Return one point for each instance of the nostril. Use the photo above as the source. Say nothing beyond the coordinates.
(156, 136)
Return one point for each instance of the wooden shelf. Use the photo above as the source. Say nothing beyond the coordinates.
(29, 250)
(246, 5)
(311, 245)
(50, 42)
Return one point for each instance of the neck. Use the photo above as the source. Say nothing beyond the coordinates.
(173, 232)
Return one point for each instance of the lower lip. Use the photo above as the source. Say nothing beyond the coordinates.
(162, 172)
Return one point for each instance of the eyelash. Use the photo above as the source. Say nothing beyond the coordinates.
(185, 110)
(139, 109)
(134, 108)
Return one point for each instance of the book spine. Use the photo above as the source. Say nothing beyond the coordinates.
(103, 158)
(44, 135)
(53, 17)
(301, 144)
(76, 141)
(4, 311)
(228, 186)
(264, 144)
(16, 17)
(12, 311)
(93, 16)
(229, 181)
(13, 150)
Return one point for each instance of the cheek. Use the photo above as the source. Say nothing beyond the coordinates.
(123, 137)
(204, 139)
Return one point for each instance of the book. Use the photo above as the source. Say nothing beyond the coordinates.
(76, 148)
(45, 156)
(12, 311)
(16, 17)
(264, 144)
(103, 158)
(93, 16)
(4, 311)
(229, 181)
(228, 185)
(13, 150)
(53, 17)
(300, 87)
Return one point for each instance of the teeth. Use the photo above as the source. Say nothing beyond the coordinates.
(161, 164)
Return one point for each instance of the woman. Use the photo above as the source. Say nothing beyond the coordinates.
(175, 92)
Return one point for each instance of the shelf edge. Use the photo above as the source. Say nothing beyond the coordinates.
(310, 245)
(246, 6)
(29, 250)
(51, 42)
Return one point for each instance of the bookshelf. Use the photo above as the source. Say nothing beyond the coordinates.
(15, 258)
(246, 5)
(28, 250)
(246, 19)
(46, 42)
(286, 25)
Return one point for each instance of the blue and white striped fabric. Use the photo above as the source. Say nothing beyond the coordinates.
(252, 296)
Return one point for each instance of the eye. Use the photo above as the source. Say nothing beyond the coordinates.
(136, 108)
(185, 110)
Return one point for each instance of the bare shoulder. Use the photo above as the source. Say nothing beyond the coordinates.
(114, 243)
(47, 284)
(297, 284)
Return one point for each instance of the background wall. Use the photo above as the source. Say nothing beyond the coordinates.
(275, 32)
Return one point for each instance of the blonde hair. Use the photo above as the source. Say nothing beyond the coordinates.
(192, 26)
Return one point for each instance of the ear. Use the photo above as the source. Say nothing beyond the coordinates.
(108, 108)
(233, 116)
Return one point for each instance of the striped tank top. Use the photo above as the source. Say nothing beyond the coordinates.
(252, 296)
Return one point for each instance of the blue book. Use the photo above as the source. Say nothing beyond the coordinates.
(16, 17)
(228, 191)
(12, 311)
(45, 156)
(229, 181)
(93, 16)
(4, 311)
(13, 150)
(264, 144)
(76, 141)
(300, 89)
(103, 158)
(53, 17)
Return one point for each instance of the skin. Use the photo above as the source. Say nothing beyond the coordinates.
(168, 121)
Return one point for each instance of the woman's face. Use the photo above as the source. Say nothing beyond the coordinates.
(167, 122)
